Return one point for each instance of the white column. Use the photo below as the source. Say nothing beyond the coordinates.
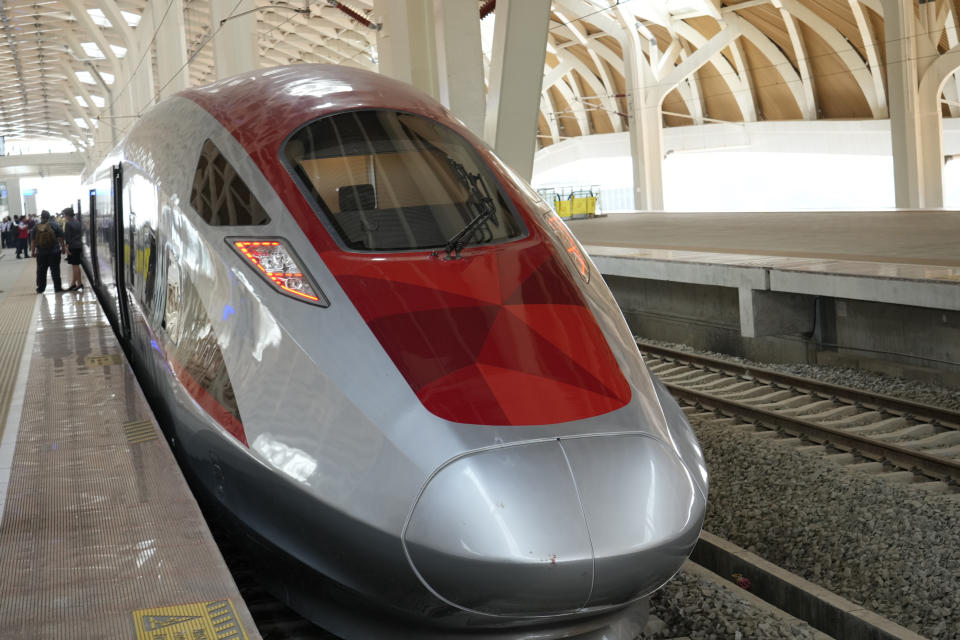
(646, 127)
(172, 72)
(235, 45)
(14, 197)
(406, 43)
(516, 79)
(903, 82)
(141, 88)
(931, 124)
(460, 61)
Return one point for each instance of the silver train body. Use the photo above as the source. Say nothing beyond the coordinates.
(425, 439)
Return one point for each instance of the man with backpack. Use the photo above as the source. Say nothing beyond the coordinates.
(46, 243)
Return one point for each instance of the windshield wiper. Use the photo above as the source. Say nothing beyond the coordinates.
(479, 202)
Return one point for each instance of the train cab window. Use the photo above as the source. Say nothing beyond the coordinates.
(220, 196)
(389, 181)
(171, 310)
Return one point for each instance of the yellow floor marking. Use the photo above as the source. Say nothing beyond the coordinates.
(140, 431)
(103, 361)
(214, 620)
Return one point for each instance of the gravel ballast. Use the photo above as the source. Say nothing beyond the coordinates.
(692, 606)
(893, 548)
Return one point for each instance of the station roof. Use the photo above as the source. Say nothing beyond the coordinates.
(793, 59)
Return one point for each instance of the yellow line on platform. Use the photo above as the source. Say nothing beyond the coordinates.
(16, 313)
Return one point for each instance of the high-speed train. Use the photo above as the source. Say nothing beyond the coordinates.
(384, 356)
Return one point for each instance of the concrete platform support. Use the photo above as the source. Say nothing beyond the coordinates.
(460, 61)
(406, 44)
(516, 79)
(773, 313)
(235, 43)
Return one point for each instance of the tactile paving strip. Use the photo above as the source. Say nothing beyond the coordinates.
(97, 528)
(15, 314)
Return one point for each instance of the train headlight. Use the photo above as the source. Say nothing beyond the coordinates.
(277, 264)
(570, 246)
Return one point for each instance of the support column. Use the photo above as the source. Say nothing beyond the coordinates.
(646, 127)
(931, 124)
(172, 72)
(516, 79)
(460, 61)
(406, 43)
(235, 45)
(14, 196)
(903, 83)
(141, 86)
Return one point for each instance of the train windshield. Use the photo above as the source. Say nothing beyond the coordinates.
(389, 181)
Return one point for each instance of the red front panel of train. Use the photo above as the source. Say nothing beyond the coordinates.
(500, 338)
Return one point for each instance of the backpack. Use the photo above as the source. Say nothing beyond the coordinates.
(46, 238)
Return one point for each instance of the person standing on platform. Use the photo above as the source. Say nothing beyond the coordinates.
(73, 237)
(46, 242)
(23, 232)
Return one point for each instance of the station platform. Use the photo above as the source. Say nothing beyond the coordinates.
(100, 536)
(874, 286)
(893, 257)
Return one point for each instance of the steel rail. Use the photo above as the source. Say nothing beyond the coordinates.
(933, 466)
(888, 404)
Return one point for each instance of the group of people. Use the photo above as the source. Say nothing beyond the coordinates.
(47, 240)
(15, 233)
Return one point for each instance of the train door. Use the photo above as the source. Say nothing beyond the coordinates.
(90, 238)
(122, 256)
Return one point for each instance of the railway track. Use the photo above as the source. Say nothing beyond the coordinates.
(910, 436)
(274, 619)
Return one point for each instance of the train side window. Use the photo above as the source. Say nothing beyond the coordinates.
(149, 252)
(220, 196)
(171, 312)
(199, 352)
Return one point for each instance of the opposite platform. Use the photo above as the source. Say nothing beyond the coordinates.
(890, 257)
(100, 536)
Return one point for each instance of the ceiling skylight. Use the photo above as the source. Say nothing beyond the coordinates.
(92, 50)
(133, 19)
(98, 18)
(86, 78)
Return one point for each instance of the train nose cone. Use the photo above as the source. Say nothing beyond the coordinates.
(557, 526)
(502, 532)
(643, 509)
